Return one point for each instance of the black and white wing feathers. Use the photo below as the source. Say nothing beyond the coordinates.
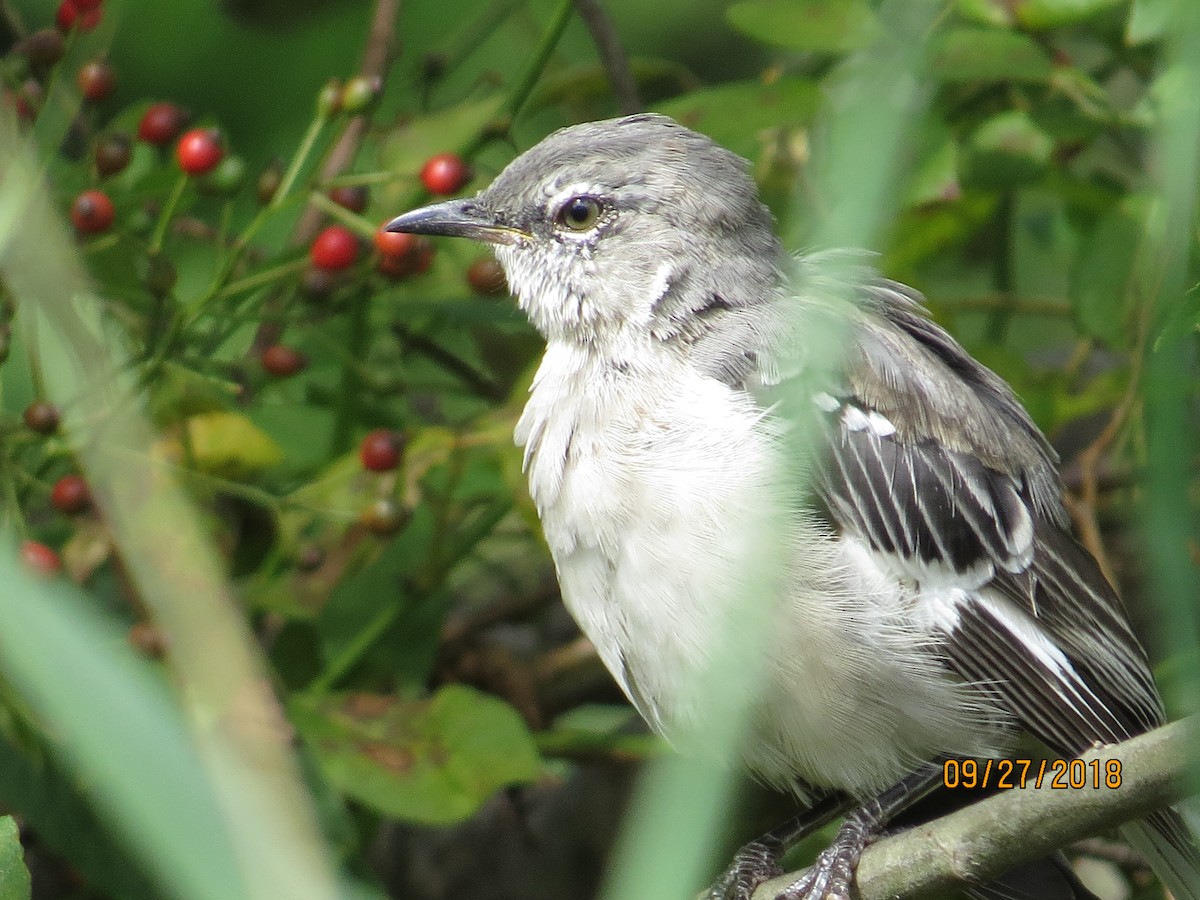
(927, 457)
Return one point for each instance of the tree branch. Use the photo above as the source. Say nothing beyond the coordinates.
(612, 55)
(987, 838)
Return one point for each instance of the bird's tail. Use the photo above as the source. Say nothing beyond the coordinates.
(1168, 841)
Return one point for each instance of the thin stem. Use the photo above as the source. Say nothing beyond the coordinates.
(352, 383)
(34, 354)
(261, 278)
(356, 649)
(164, 218)
(334, 210)
(541, 56)
(478, 383)
(521, 93)
(1005, 303)
(299, 158)
(434, 591)
(473, 35)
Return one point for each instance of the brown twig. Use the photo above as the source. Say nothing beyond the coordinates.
(377, 56)
(1056, 309)
(1083, 505)
(612, 55)
(509, 607)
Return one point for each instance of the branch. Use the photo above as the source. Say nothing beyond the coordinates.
(988, 838)
(612, 55)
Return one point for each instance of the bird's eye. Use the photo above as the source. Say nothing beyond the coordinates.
(580, 213)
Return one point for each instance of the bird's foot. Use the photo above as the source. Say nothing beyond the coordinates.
(832, 874)
(756, 862)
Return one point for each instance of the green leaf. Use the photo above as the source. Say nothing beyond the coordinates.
(1148, 20)
(433, 761)
(987, 12)
(1007, 150)
(733, 114)
(822, 26)
(1042, 241)
(229, 444)
(1100, 281)
(987, 54)
(115, 722)
(934, 176)
(14, 877)
(1037, 14)
(1181, 319)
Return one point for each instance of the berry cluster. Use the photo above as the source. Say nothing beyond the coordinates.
(345, 255)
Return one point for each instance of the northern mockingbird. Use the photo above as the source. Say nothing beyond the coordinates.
(931, 600)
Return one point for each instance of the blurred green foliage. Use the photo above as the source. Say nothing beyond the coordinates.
(1023, 205)
(14, 877)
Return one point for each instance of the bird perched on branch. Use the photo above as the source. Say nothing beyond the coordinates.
(719, 432)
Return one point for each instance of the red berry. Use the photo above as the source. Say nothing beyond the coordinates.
(161, 123)
(395, 243)
(445, 173)
(380, 450)
(40, 558)
(424, 258)
(395, 267)
(96, 80)
(85, 14)
(334, 249)
(486, 277)
(281, 361)
(43, 48)
(353, 197)
(113, 153)
(41, 417)
(70, 494)
(199, 151)
(25, 110)
(92, 212)
(417, 257)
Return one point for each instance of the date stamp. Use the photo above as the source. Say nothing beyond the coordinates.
(1015, 774)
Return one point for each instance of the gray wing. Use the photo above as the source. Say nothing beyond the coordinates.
(926, 455)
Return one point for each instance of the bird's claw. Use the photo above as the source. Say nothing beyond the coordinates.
(755, 863)
(831, 875)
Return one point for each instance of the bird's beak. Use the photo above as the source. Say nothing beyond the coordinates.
(456, 218)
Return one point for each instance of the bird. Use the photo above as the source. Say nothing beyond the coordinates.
(710, 408)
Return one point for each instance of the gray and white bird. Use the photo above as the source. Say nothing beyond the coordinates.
(928, 599)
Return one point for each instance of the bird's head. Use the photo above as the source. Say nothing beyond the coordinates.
(632, 223)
